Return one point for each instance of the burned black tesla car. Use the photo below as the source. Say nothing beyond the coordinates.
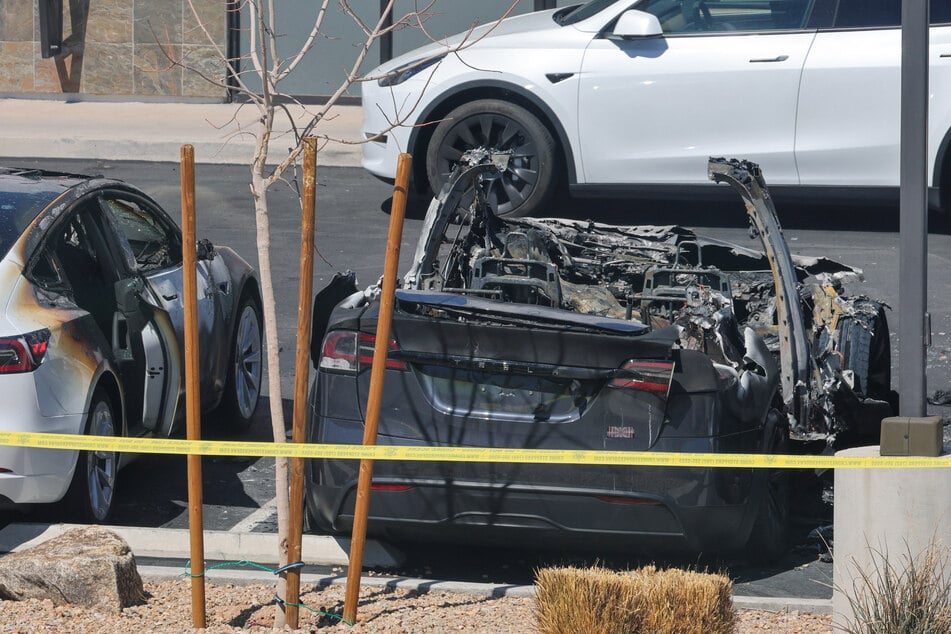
(559, 334)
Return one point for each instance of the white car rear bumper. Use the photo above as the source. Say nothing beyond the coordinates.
(29, 475)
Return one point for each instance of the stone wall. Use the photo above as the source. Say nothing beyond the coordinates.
(116, 47)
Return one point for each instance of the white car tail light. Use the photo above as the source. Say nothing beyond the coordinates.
(23, 353)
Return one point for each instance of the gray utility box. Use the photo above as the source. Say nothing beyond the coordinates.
(911, 436)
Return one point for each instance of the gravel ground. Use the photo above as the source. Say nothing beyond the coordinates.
(250, 608)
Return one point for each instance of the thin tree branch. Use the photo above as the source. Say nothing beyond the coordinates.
(308, 43)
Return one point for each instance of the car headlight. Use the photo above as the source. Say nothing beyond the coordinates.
(399, 75)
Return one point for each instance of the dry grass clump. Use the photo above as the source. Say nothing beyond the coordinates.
(581, 600)
(910, 597)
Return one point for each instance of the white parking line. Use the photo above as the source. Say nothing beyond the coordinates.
(261, 515)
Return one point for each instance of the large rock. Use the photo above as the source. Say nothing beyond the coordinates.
(89, 566)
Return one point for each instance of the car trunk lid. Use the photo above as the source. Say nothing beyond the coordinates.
(485, 373)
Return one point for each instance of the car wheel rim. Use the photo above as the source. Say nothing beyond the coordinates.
(510, 189)
(247, 362)
(101, 465)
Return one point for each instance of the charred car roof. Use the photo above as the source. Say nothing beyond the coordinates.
(649, 278)
(24, 193)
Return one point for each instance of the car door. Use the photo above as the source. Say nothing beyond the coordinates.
(848, 126)
(81, 260)
(154, 244)
(722, 81)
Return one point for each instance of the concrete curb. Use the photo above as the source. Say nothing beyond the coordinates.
(206, 152)
(250, 577)
(783, 604)
(219, 545)
(155, 131)
(489, 590)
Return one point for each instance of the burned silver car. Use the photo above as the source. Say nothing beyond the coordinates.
(558, 334)
(92, 331)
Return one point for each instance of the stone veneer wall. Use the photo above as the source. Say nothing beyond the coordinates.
(111, 47)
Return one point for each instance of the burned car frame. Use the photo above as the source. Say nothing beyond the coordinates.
(560, 334)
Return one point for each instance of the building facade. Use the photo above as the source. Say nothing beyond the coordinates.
(112, 47)
(136, 48)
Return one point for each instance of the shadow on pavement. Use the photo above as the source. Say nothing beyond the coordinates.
(800, 574)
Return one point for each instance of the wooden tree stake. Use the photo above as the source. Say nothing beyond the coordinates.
(192, 394)
(387, 297)
(301, 374)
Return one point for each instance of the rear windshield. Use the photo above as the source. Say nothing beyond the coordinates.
(21, 201)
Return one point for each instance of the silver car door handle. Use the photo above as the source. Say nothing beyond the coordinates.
(167, 290)
(767, 60)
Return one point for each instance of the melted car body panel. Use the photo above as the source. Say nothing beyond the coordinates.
(738, 305)
(575, 335)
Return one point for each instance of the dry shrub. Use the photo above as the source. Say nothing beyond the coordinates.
(912, 597)
(581, 600)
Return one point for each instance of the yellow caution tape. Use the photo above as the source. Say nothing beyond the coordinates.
(461, 454)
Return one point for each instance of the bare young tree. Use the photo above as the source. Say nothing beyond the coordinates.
(258, 85)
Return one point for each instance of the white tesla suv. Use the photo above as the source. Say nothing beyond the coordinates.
(614, 96)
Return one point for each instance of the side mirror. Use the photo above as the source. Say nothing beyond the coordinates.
(635, 24)
(205, 250)
(128, 302)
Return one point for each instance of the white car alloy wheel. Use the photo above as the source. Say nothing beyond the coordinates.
(101, 466)
(244, 375)
(92, 491)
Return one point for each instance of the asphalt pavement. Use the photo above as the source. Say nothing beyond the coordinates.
(220, 134)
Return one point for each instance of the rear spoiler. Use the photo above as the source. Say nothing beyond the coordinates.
(521, 312)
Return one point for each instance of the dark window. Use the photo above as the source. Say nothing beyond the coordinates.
(884, 13)
(47, 272)
(727, 16)
(940, 11)
(153, 246)
(21, 200)
(582, 12)
(78, 245)
(868, 13)
(822, 15)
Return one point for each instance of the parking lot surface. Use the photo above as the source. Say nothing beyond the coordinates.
(351, 226)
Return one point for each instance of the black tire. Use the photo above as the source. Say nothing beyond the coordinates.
(92, 491)
(769, 538)
(529, 181)
(245, 367)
